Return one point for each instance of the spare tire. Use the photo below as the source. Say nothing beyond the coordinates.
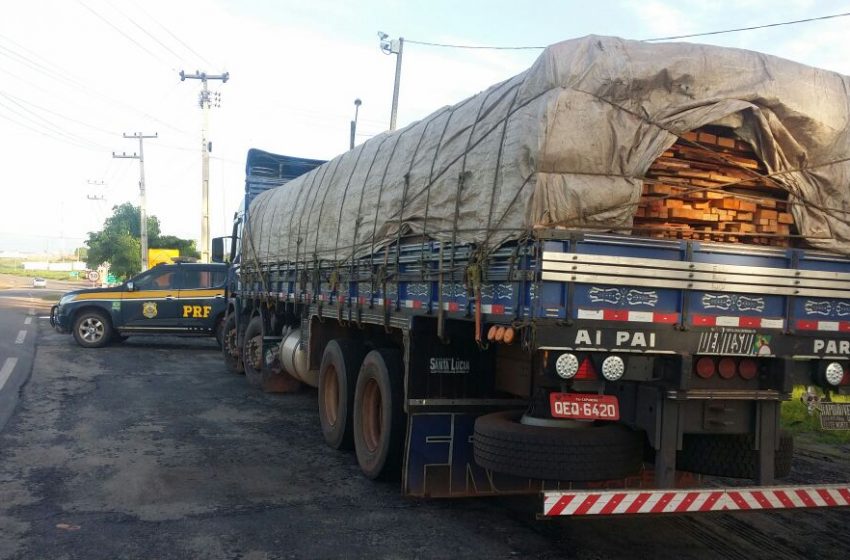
(596, 452)
(731, 455)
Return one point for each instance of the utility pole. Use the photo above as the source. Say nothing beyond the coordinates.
(206, 146)
(96, 184)
(396, 47)
(357, 104)
(143, 206)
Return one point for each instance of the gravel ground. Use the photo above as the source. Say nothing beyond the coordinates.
(150, 449)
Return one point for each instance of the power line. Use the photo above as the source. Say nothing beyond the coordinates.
(18, 101)
(148, 33)
(690, 35)
(48, 130)
(819, 18)
(42, 69)
(175, 37)
(120, 31)
(451, 46)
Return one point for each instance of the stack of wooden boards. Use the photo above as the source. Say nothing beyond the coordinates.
(708, 186)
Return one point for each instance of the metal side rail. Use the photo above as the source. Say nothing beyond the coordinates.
(589, 503)
(685, 275)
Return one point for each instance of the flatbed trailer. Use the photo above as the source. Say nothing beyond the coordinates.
(764, 319)
(474, 300)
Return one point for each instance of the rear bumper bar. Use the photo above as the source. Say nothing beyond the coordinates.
(637, 502)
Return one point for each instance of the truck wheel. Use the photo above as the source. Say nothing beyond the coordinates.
(92, 329)
(218, 331)
(378, 415)
(596, 452)
(731, 455)
(230, 346)
(337, 380)
(252, 352)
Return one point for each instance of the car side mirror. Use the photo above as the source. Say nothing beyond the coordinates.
(130, 286)
(217, 255)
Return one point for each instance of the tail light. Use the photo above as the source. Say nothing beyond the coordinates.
(726, 368)
(613, 368)
(705, 367)
(834, 373)
(566, 366)
(586, 370)
(748, 368)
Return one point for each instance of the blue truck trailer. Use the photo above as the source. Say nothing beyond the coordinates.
(480, 315)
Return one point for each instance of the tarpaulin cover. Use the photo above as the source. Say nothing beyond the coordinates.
(566, 144)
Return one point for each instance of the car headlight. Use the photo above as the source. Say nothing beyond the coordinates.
(65, 299)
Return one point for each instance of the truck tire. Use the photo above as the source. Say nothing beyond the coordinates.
(230, 346)
(218, 331)
(596, 452)
(341, 362)
(92, 329)
(378, 414)
(731, 455)
(252, 352)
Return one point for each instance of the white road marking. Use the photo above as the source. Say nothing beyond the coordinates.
(28, 320)
(6, 371)
(21, 336)
(44, 316)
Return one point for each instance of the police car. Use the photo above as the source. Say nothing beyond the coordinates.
(183, 298)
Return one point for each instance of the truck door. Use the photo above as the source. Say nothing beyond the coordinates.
(152, 304)
(201, 298)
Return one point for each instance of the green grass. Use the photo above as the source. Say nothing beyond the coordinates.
(796, 419)
(47, 274)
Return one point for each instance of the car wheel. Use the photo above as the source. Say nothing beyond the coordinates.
(92, 329)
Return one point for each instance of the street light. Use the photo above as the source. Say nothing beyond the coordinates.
(393, 46)
(357, 104)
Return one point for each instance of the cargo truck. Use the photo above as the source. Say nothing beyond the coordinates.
(597, 281)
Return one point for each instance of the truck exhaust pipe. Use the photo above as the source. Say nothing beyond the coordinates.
(294, 359)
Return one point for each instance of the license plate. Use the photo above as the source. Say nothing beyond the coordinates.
(579, 406)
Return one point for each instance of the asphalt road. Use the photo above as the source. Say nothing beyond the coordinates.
(150, 449)
(18, 321)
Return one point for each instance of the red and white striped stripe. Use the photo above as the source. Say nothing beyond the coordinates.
(634, 502)
(626, 315)
(832, 326)
(737, 321)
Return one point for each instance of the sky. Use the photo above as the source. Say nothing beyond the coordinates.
(76, 75)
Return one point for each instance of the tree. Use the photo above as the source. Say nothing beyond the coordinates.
(119, 242)
(185, 246)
